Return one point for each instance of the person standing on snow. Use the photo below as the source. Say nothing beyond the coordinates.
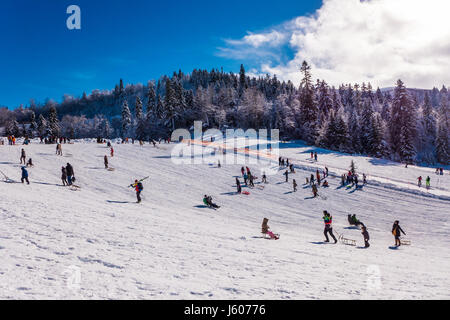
(23, 157)
(24, 175)
(112, 152)
(315, 156)
(287, 175)
(419, 181)
(428, 182)
(366, 237)
(138, 187)
(328, 220)
(314, 190)
(64, 176)
(238, 186)
(294, 184)
(70, 173)
(106, 161)
(397, 231)
(264, 177)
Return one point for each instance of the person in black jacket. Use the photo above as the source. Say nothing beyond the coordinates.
(396, 231)
(64, 176)
(366, 237)
(70, 173)
(238, 186)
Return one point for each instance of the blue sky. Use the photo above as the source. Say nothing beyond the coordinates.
(137, 40)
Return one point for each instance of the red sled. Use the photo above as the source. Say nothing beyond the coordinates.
(245, 192)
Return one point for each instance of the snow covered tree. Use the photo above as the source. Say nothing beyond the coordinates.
(442, 139)
(42, 126)
(126, 119)
(53, 123)
(308, 116)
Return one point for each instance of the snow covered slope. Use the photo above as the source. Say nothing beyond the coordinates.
(97, 243)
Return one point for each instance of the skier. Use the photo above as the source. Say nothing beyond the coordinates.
(396, 231)
(294, 184)
(287, 175)
(105, 160)
(328, 220)
(238, 186)
(207, 200)
(265, 229)
(24, 175)
(23, 157)
(70, 173)
(366, 237)
(64, 176)
(428, 182)
(138, 187)
(419, 181)
(314, 190)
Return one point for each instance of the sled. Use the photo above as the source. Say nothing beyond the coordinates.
(267, 237)
(111, 169)
(405, 242)
(246, 193)
(260, 187)
(346, 241)
(74, 187)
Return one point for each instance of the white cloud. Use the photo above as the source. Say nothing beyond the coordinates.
(348, 41)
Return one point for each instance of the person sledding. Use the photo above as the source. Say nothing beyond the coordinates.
(397, 231)
(265, 230)
(207, 200)
(328, 220)
(325, 184)
(353, 221)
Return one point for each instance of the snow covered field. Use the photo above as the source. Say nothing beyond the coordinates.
(97, 243)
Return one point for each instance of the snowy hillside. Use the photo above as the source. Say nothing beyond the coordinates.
(97, 243)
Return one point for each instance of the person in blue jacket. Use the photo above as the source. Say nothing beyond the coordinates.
(24, 175)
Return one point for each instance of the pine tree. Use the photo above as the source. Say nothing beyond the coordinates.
(126, 119)
(242, 80)
(42, 126)
(141, 127)
(442, 139)
(53, 123)
(308, 117)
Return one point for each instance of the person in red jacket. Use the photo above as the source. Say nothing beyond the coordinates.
(328, 220)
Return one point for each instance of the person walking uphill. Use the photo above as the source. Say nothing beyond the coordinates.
(24, 175)
(23, 157)
(366, 237)
(70, 174)
(328, 220)
(138, 187)
(397, 231)
(64, 176)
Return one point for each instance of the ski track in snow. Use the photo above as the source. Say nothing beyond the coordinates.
(169, 247)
